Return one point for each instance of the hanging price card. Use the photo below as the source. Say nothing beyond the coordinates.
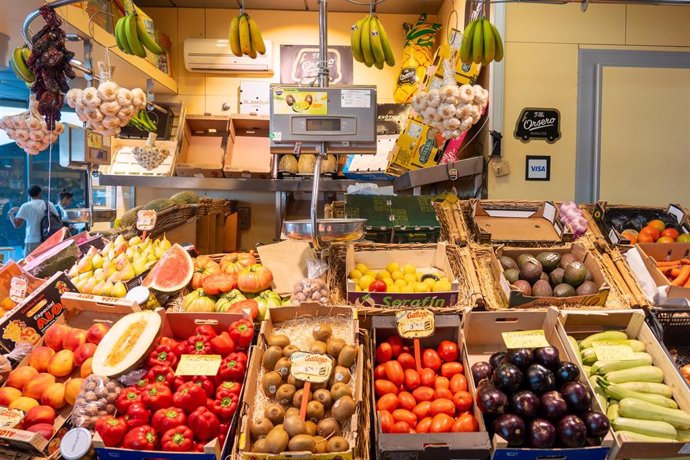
(415, 324)
(146, 219)
(198, 365)
(610, 350)
(525, 339)
(18, 286)
(311, 367)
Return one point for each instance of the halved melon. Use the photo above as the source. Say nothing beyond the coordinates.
(173, 272)
(126, 343)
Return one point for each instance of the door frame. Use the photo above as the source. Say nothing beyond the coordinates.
(591, 64)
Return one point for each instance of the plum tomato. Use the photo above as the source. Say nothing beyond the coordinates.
(441, 382)
(406, 360)
(421, 410)
(407, 401)
(394, 372)
(384, 353)
(462, 400)
(386, 420)
(458, 382)
(423, 425)
(412, 379)
(441, 423)
(404, 415)
(388, 402)
(466, 423)
(396, 344)
(448, 370)
(428, 377)
(401, 427)
(448, 351)
(383, 387)
(380, 371)
(443, 393)
(431, 359)
(423, 394)
(442, 406)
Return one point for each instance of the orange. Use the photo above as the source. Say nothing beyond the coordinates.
(670, 232)
(630, 235)
(645, 238)
(656, 223)
(651, 231)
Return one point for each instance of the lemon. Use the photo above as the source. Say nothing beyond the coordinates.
(397, 275)
(362, 268)
(382, 274)
(407, 288)
(445, 279)
(410, 278)
(365, 281)
(429, 282)
(355, 274)
(400, 283)
(357, 288)
(371, 273)
(394, 289)
(389, 282)
(419, 276)
(422, 287)
(409, 269)
(393, 267)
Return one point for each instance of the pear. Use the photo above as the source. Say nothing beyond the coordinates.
(88, 287)
(146, 244)
(127, 272)
(97, 261)
(164, 244)
(118, 290)
(108, 246)
(79, 284)
(98, 288)
(134, 241)
(110, 255)
(92, 251)
(107, 289)
(121, 249)
(85, 276)
(73, 272)
(152, 258)
(85, 265)
(132, 253)
(114, 278)
(99, 274)
(120, 240)
(158, 252)
(139, 266)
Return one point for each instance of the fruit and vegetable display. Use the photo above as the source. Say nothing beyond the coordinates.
(132, 37)
(29, 130)
(370, 44)
(572, 217)
(431, 396)
(453, 109)
(129, 218)
(549, 274)
(646, 226)
(245, 37)
(420, 44)
(531, 398)
(395, 278)
(639, 405)
(481, 43)
(677, 271)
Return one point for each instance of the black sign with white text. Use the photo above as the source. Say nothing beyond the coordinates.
(538, 124)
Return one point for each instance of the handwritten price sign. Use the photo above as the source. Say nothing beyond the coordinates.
(525, 339)
(415, 324)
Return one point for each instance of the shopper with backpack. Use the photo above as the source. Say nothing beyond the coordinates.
(41, 219)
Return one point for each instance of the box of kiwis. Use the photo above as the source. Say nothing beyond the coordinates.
(313, 344)
(566, 276)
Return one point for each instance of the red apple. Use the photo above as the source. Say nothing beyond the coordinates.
(84, 352)
(96, 333)
(74, 339)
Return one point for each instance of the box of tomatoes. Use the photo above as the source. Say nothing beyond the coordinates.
(434, 415)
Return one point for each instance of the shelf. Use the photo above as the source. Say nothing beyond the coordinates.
(467, 168)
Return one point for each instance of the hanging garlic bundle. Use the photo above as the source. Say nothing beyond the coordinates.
(29, 129)
(150, 156)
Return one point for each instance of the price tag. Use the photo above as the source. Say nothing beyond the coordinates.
(525, 339)
(609, 350)
(415, 324)
(94, 140)
(198, 365)
(18, 286)
(311, 367)
(146, 219)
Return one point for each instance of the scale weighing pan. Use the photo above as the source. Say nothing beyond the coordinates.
(329, 230)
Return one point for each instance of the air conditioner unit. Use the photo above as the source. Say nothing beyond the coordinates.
(214, 56)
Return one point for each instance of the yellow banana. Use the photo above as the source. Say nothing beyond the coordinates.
(356, 40)
(132, 37)
(498, 57)
(477, 44)
(366, 42)
(145, 38)
(252, 51)
(375, 40)
(234, 36)
(466, 45)
(489, 42)
(386, 44)
(26, 54)
(255, 35)
(245, 41)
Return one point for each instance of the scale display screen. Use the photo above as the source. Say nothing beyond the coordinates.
(323, 124)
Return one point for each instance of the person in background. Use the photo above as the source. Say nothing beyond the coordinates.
(64, 203)
(31, 213)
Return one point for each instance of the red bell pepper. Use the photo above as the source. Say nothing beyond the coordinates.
(161, 356)
(189, 396)
(242, 332)
(111, 430)
(223, 344)
(205, 383)
(165, 419)
(137, 415)
(167, 342)
(233, 367)
(161, 374)
(199, 345)
(157, 396)
(204, 423)
(141, 438)
(178, 439)
(225, 405)
(209, 403)
(180, 349)
(126, 398)
(199, 446)
(141, 383)
(232, 387)
(223, 433)
(206, 330)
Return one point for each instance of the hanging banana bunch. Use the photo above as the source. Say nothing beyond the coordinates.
(132, 37)
(481, 43)
(245, 37)
(370, 44)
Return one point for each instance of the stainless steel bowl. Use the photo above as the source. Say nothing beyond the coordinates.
(330, 230)
(82, 215)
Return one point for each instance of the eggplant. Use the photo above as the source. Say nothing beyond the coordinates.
(511, 428)
(540, 379)
(525, 404)
(522, 357)
(553, 406)
(480, 371)
(497, 359)
(597, 424)
(577, 396)
(541, 434)
(571, 431)
(567, 372)
(507, 378)
(547, 357)
(490, 400)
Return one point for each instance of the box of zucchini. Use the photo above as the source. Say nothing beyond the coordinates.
(646, 399)
(566, 276)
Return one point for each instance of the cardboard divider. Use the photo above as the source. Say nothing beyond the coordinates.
(249, 152)
(204, 142)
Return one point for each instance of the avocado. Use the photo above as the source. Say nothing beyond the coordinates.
(563, 290)
(575, 274)
(542, 289)
(524, 286)
(544, 276)
(522, 258)
(549, 260)
(589, 276)
(566, 259)
(531, 270)
(587, 288)
(507, 262)
(512, 275)
(556, 276)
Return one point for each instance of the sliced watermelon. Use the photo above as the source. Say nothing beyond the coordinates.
(173, 272)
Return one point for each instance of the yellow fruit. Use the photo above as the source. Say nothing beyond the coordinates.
(382, 274)
(407, 288)
(410, 278)
(422, 287)
(409, 269)
(357, 288)
(400, 283)
(393, 267)
(371, 273)
(419, 276)
(393, 288)
(355, 274)
(362, 268)
(445, 279)
(396, 275)
(365, 281)
(389, 282)
(429, 282)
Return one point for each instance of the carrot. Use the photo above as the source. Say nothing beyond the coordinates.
(675, 272)
(672, 263)
(682, 276)
(687, 284)
(685, 261)
(667, 270)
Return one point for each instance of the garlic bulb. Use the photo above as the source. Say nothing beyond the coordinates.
(107, 108)
(29, 130)
(451, 109)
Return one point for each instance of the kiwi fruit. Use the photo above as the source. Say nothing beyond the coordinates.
(347, 356)
(321, 444)
(271, 357)
(274, 413)
(260, 429)
(296, 382)
(278, 340)
(339, 390)
(297, 399)
(294, 425)
(340, 374)
(507, 263)
(512, 275)
(283, 367)
(319, 385)
(315, 411)
(289, 350)
(337, 444)
(285, 394)
(328, 427)
(556, 276)
(270, 382)
(292, 411)
(318, 347)
(324, 397)
(311, 428)
(302, 443)
(322, 332)
(334, 345)
(277, 440)
(260, 446)
(343, 408)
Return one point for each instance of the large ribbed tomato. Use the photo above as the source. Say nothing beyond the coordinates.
(235, 262)
(254, 278)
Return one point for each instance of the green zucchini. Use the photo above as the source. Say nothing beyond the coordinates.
(604, 367)
(612, 411)
(637, 374)
(646, 427)
(576, 347)
(642, 410)
(648, 387)
(630, 436)
(587, 370)
(588, 356)
(636, 345)
(601, 336)
(616, 392)
(599, 393)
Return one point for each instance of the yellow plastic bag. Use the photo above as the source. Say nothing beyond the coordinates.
(420, 43)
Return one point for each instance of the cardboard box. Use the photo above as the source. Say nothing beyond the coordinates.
(204, 144)
(372, 167)
(248, 153)
(632, 322)
(483, 337)
(517, 299)
(604, 212)
(653, 252)
(278, 316)
(517, 224)
(419, 146)
(254, 97)
(11, 270)
(425, 260)
(439, 446)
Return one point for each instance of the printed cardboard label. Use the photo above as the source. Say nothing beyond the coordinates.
(9, 418)
(415, 324)
(525, 339)
(298, 101)
(146, 219)
(311, 367)
(198, 365)
(18, 286)
(610, 350)
(355, 98)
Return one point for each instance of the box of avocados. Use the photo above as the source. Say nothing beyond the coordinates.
(565, 276)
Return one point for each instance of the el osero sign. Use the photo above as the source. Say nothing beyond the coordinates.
(536, 123)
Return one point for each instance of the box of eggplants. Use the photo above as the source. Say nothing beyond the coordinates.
(311, 352)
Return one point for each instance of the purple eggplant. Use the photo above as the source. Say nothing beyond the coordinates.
(571, 431)
(597, 424)
(507, 378)
(577, 396)
(522, 357)
(490, 400)
(497, 359)
(511, 428)
(525, 404)
(547, 357)
(541, 433)
(540, 379)
(481, 370)
(567, 372)
(553, 406)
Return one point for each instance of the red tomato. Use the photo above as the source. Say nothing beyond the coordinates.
(448, 351)
(406, 360)
(458, 383)
(441, 382)
(394, 372)
(407, 401)
(384, 353)
(428, 377)
(388, 402)
(404, 415)
(423, 394)
(383, 387)
(412, 379)
(450, 369)
(423, 425)
(401, 427)
(380, 371)
(441, 423)
(462, 401)
(466, 423)
(396, 344)
(386, 420)
(431, 359)
(422, 409)
(442, 406)
(443, 393)
(406, 349)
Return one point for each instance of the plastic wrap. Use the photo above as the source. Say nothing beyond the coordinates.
(96, 398)
(310, 290)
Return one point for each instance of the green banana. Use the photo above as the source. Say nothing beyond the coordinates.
(376, 47)
(386, 44)
(356, 40)
(145, 38)
(234, 36)
(245, 41)
(255, 35)
(477, 44)
(132, 37)
(19, 66)
(366, 42)
(26, 54)
(466, 45)
(489, 42)
(121, 36)
(498, 57)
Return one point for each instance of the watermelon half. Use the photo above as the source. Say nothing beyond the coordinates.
(173, 272)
